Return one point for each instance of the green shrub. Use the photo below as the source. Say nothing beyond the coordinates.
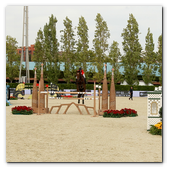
(13, 85)
(7, 104)
(90, 86)
(135, 88)
(106, 115)
(28, 85)
(144, 88)
(66, 86)
(155, 131)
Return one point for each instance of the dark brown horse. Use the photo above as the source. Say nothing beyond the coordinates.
(81, 85)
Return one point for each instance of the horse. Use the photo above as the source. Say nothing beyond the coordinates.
(81, 85)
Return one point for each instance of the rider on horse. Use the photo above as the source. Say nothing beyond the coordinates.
(82, 72)
(81, 83)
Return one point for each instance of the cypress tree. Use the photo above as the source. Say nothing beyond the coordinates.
(114, 57)
(132, 50)
(100, 45)
(82, 44)
(149, 59)
(68, 50)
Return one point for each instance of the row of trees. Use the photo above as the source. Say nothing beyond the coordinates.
(76, 54)
(12, 58)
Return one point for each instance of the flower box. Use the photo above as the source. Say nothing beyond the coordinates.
(13, 98)
(22, 110)
(120, 113)
(68, 96)
(21, 113)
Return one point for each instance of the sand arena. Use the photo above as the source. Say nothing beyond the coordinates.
(72, 137)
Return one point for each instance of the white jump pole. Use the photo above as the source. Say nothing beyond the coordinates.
(68, 92)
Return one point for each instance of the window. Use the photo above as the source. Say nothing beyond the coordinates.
(154, 110)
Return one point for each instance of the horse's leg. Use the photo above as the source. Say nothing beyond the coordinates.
(78, 90)
(78, 97)
(83, 99)
(84, 87)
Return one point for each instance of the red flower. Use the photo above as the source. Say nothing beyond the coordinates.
(114, 112)
(124, 111)
(46, 85)
(37, 84)
(22, 108)
(69, 96)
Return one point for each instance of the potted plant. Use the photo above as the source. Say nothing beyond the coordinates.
(22, 110)
(13, 98)
(156, 129)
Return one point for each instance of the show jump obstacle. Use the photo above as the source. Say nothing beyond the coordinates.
(38, 97)
(104, 92)
(77, 105)
(112, 102)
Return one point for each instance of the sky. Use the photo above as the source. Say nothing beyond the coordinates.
(116, 17)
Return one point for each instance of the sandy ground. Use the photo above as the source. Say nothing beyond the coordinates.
(72, 137)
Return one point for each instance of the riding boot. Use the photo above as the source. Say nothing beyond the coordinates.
(85, 80)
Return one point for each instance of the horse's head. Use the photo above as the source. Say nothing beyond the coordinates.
(78, 75)
(80, 80)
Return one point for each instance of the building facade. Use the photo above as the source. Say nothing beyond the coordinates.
(31, 50)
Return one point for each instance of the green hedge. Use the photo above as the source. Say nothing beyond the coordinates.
(135, 88)
(117, 87)
(12, 85)
(66, 86)
(91, 87)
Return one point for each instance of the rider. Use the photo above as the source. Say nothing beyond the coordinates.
(82, 72)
